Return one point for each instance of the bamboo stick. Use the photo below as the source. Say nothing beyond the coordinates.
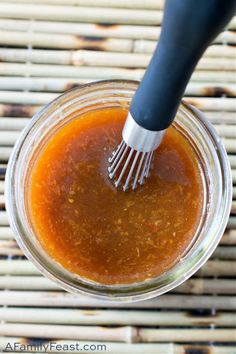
(186, 335)
(210, 89)
(148, 46)
(211, 104)
(207, 286)
(67, 71)
(2, 201)
(3, 168)
(230, 145)
(114, 317)
(192, 286)
(36, 98)
(1, 188)
(220, 268)
(62, 299)
(5, 231)
(213, 76)
(5, 153)
(228, 131)
(10, 248)
(62, 84)
(233, 208)
(84, 14)
(125, 348)
(232, 220)
(225, 253)
(229, 238)
(15, 110)
(234, 192)
(64, 41)
(121, 348)
(139, 4)
(234, 181)
(12, 124)
(82, 29)
(133, 60)
(232, 160)
(18, 267)
(98, 58)
(221, 117)
(129, 4)
(56, 84)
(112, 31)
(3, 215)
(8, 138)
(118, 334)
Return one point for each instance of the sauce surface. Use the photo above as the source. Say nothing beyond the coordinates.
(106, 235)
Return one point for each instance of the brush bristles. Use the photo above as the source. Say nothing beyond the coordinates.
(129, 166)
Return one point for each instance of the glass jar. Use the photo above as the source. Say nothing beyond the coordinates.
(212, 159)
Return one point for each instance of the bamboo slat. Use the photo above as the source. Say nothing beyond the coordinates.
(139, 4)
(84, 14)
(1, 190)
(117, 31)
(116, 317)
(98, 58)
(41, 98)
(129, 4)
(25, 112)
(67, 71)
(12, 124)
(188, 335)
(15, 110)
(193, 286)
(124, 348)
(45, 84)
(62, 299)
(67, 41)
(118, 334)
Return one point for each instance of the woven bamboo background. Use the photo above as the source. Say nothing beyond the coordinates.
(46, 47)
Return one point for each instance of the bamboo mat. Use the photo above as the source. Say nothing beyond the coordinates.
(46, 47)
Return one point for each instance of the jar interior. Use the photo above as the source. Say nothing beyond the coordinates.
(52, 118)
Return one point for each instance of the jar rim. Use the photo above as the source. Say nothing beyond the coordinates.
(142, 291)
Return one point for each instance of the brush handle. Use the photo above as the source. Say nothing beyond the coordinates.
(189, 26)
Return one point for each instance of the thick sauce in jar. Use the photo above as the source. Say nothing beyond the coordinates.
(104, 234)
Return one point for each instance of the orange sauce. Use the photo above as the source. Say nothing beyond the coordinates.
(104, 234)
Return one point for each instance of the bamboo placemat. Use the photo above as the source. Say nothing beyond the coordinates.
(46, 47)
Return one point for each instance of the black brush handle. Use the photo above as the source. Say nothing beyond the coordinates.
(189, 26)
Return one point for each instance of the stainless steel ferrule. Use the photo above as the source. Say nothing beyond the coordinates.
(139, 138)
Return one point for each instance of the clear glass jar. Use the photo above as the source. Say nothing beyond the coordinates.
(216, 175)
